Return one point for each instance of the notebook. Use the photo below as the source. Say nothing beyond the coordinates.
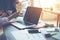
(31, 17)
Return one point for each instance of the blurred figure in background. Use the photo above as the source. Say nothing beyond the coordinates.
(7, 10)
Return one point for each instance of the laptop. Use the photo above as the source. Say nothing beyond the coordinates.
(31, 17)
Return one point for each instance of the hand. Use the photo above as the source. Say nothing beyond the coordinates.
(3, 20)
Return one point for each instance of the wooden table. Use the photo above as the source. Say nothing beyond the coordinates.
(57, 18)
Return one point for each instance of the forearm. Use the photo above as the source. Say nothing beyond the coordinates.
(17, 12)
(13, 16)
(6, 19)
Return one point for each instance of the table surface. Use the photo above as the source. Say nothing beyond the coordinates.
(24, 35)
(12, 33)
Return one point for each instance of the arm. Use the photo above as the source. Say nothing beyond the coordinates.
(4, 14)
(16, 13)
(13, 15)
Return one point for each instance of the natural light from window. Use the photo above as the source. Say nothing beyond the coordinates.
(43, 3)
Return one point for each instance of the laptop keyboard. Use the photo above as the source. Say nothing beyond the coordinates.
(26, 24)
(21, 26)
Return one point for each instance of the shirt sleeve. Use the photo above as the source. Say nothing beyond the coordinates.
(3, 20)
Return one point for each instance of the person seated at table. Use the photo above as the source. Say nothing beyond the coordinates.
(7, 12)
(7, 8)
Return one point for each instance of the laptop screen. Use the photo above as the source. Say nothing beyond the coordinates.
(32, 15)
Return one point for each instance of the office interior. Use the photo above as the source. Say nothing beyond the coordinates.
(48, 14)
(47, 28)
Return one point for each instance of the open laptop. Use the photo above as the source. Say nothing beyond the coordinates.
(31, 17)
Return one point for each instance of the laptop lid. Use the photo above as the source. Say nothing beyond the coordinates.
(32, 15)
